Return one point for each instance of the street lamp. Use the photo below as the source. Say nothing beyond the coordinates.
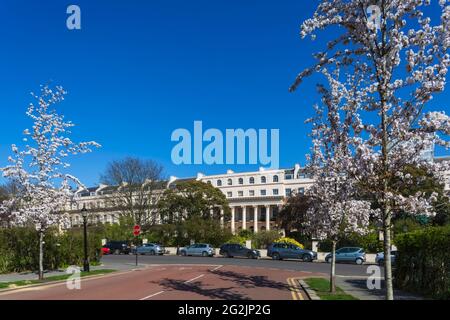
(84, 213)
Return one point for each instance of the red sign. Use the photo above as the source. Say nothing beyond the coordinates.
(137, 230)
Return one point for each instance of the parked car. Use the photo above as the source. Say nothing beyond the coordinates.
(280, 251)
(348, 254)
(106, 250)
(231, 250)
(198, 249)
(151, 249)
(118, 247)
(379, 258)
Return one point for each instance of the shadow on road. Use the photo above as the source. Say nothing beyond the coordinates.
(237, 280)
(195, 287)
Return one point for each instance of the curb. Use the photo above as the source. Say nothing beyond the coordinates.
(309, 292)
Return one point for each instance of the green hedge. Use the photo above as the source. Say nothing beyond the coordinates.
(19, 249)
(423, 263)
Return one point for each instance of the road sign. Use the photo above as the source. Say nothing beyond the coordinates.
(137, 230)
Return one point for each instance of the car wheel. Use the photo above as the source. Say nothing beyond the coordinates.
(227, 254)
(276, 256)
(359, 261)
(328, 260)
(183, 253)
(152, 253)
(204, 254)
(307, 258)
(117, 251)
(250, 255)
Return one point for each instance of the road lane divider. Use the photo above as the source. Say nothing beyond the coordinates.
(151, 296)
(196, 278)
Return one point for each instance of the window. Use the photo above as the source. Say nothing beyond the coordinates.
(288, 176)
(263, 179)
(252, 180)
(209, 182)
(229, 194)
(275, 178)
(230, 182)
(251, 193)
(301, 190)
(219, 183)
(263, 192)
(275, 192)
(241, 181)
(288, 192)
(240, 193)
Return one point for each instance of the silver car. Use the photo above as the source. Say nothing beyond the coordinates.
(348, 254)
(198, 249)
(151, 249)
(379, 258)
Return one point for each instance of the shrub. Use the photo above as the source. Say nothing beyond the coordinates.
(19, 249)
(263, 239)
(290, 241)
(423, 262)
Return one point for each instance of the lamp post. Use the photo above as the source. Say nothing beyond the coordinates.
(84, 213)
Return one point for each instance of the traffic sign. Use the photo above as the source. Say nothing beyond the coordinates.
(136, 230)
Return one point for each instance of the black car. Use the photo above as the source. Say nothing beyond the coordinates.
(118, 247)
(231, 250)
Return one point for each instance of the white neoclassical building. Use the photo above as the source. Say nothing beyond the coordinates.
(256, 197)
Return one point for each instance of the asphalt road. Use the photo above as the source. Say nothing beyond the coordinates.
(343, 270)
(175, 282)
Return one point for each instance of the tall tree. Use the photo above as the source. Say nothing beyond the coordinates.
(139, 186)
(401, 61)
(335, 206)
(292, 215)
(39, 169)
(192, 205)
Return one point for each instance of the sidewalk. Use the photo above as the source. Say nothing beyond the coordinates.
(23, 276)
(357, 287)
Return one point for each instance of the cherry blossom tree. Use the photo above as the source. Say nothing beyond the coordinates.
(336, 207)
(400, 62)
(44, 188)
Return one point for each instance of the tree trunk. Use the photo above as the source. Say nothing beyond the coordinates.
(387, 256)
(386, 208)
(333, 269)
(41, 255)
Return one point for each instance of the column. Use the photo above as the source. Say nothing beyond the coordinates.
(222, 219)
(268, 218)
(233, 220)
(244, 218)
(255, 218)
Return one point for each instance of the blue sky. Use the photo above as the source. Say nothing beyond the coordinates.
(140, 69)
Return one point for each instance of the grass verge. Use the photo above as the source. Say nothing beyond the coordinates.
(322, 288)
(21, 283)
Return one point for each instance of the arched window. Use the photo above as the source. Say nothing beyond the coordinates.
(275, 178)
(241, 181)
(230, 182)
(263, 179)
(219, 183)
(252, 180)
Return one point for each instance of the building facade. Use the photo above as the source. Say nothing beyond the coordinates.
(255, 198)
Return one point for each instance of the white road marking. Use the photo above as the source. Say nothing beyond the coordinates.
(196, 278)
(217, 268)
(151, 296)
